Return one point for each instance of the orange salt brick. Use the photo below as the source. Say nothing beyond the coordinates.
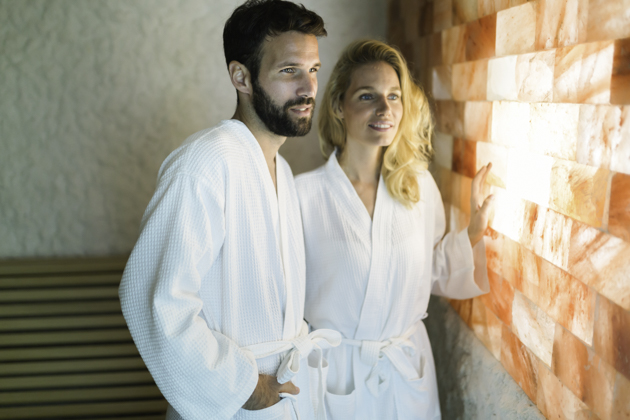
(458, 220)
(469, 80)
(410, 11)
(477, 120)
(579, 191)
(445, 184)
(604, 137)
(441, 82)
(464, 157)
(516, 30)
(435, 49)
(425, 21)
(500, 298)
(487, 327)
(556, 401)
(619, 210)
(534, 76)
(621, 399)
(464, 195)
(533, 228)
(568, 301)
(533, 327)
(608, 20)
(454, 45)
(489, 7)
(449, 117)
(554, 129)
(463, 308)
(583, 73)
(560, 23)
(589, 377)
(442, 15)
(498, 155)
(494, 252)
(557, 238)
(527, 282)
(481, 38)
(443, 149)
(612, 335)
(456, 189)
(464, 11)
(620, 82)
(520, 363)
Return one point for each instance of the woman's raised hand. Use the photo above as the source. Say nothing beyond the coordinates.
(479, 206)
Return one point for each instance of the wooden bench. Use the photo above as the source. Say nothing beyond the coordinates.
(65, 350)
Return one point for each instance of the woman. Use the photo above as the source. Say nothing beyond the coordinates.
(374, 236)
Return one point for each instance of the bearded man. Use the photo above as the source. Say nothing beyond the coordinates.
(213, 292)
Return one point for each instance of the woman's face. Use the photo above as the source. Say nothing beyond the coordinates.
(372, 106)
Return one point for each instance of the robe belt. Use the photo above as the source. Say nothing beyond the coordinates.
(300, 348)
(396, 350)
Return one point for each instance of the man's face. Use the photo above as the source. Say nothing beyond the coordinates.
(284, 92)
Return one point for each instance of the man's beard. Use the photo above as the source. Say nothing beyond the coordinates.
(277, 119)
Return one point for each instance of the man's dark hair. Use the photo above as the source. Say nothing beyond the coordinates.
(255, 20)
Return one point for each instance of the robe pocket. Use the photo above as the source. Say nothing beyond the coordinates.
(417, 393)
(341, 406)
(279, 411)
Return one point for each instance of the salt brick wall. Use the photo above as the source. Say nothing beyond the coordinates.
(542, 90)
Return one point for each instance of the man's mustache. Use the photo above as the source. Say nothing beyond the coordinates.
(299, 101)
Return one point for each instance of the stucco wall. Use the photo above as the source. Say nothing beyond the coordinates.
(94, 95)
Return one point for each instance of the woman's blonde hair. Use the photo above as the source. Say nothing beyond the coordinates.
(410, 151)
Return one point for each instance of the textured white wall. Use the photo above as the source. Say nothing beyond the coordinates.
(93, 97)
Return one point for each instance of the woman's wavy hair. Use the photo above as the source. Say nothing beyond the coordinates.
(410, 151)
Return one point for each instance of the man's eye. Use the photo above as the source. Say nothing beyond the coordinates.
(289, 70)
(314, 70)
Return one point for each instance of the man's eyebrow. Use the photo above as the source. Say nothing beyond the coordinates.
(295, 64)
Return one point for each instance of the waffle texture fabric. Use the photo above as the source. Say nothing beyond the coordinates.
(371, 280)
(208, 275)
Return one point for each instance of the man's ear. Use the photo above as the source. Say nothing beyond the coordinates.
(240, 77)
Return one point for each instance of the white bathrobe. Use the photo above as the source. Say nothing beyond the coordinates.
(371, 280)
(217, 270)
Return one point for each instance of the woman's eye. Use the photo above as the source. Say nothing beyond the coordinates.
(393, 96)
(365, 97)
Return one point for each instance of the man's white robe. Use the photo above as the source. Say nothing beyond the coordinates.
(209, 275)
(371, 280)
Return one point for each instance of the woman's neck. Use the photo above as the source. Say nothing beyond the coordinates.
(361, 163)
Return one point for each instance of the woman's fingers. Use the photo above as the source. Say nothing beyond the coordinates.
(477, 184)
(485, 208)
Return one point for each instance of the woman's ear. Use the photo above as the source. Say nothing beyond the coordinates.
(338, 110)
(240, 77)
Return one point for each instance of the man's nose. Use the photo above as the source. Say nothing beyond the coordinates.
(308, 85)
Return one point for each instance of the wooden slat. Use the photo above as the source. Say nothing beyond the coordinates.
(64, 337)
(71, 366)
(69, 411)
(59, 308)
(61, 265)
(79, 395)
(14, 383)
(60, 280)
(67, 352)
(65, 294)
(62, 323)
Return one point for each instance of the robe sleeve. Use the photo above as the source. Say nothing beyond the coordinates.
(459, 270)
(202, 373)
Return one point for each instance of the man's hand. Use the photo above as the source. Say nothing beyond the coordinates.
(267, 392)
(479, 206)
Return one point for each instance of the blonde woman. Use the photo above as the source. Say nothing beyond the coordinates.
(374, 235)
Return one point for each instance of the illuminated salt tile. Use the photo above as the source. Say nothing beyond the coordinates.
(477, 120)
(442, 15)
(449, 117)
(516, 30)
(501, 84)
(608, 20)
(499, 299)
(469, 80)
(488, 152)
(441, 82)
(530, 275)
(602, 261)
(464, 160)
(487, 327)
(568, 301)
(532, 237)
(529, 175)
(494, 251)
(464, 11)
(621, 399)
(443, 148)
(507, 214)
(557, 239)
(510, 123)
(463, 308)
(520, 363)
(620, 159)
(481, 38)
(533, 327)
(443, 180)
(561, 23)
(612, 335)
(583, 73)
(554, 129)
(454, 45)
(435, 49)
(620, 81)
(619, 209)
(579, 191)
(589, 377)
(464, 194)
(534, 76)
(556, 401)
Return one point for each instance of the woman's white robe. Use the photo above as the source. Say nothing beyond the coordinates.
(371, 280)
(209, 276)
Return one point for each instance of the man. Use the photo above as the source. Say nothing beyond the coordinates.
(213, 292)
